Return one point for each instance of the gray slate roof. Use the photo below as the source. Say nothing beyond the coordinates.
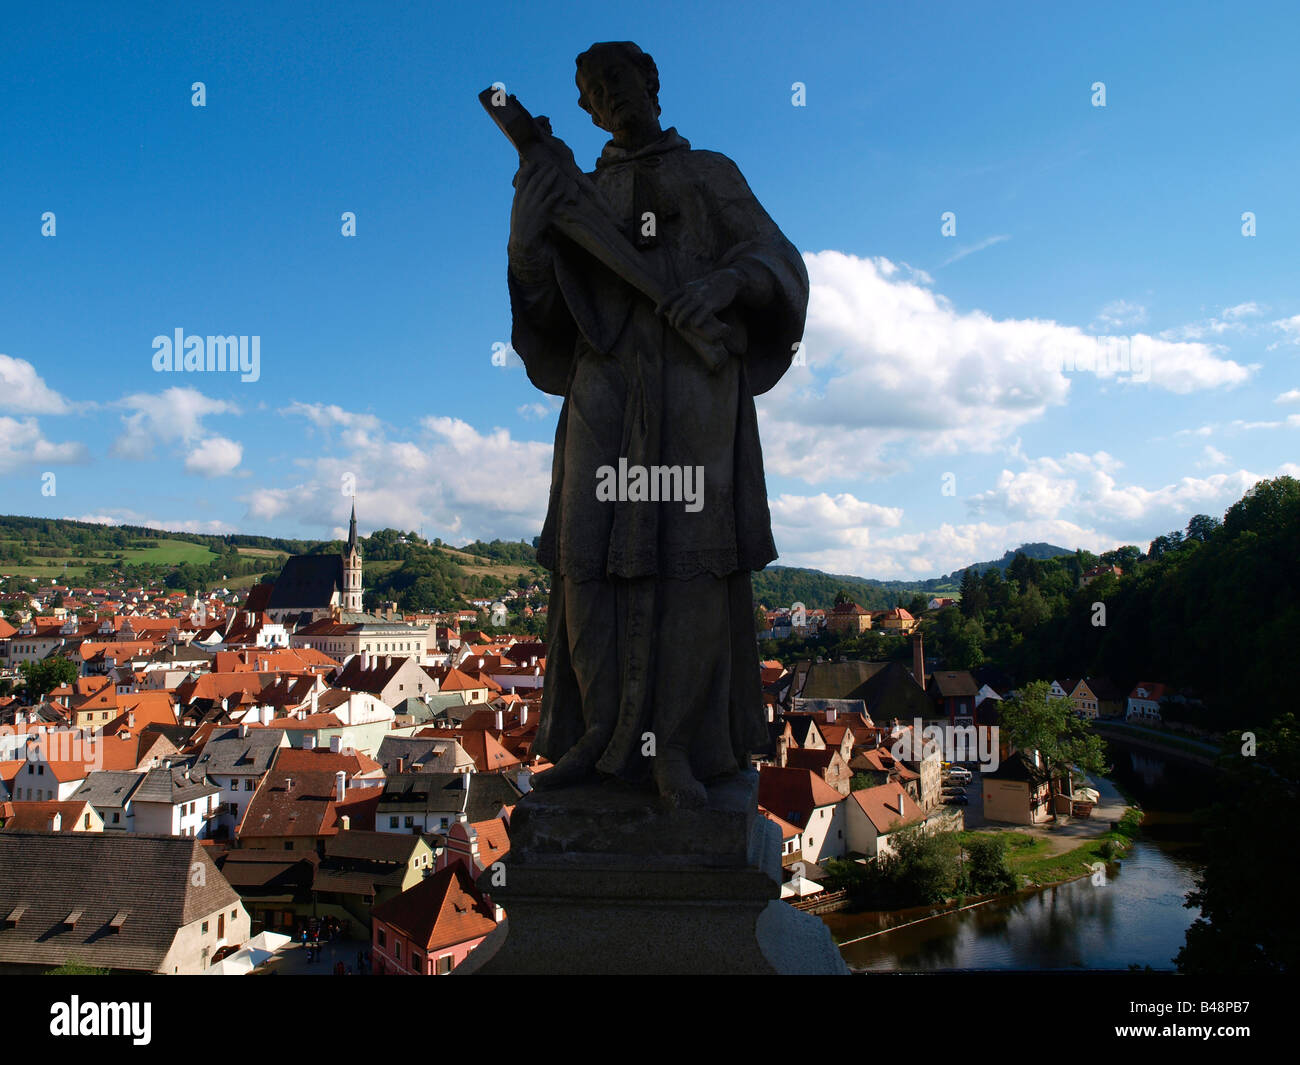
(49, 875)
(171, 786)
(444, 793)
(108, 789)
(227, 752)
(307, 582)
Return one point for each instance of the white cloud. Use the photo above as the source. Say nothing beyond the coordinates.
(971, 249)
(1212, 456)
(1119, 314)
(214, 527)
(23, 391)
(1292, 396)
(1290, 328)
(1229, 320)
(1085, 487)
(893, 369)
(447, 478)
(215, 456)
(23, 445)
(172, 416)
(357, 429)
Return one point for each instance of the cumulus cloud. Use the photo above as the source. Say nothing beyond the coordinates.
(173, 416)
(23, 445)
(893, 368)
(1119, 314)
(1086, 486)
(214, 527)
(443, 476)
(23, 391)
(215, 456)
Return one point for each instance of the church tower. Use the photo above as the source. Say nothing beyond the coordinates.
(352, 568)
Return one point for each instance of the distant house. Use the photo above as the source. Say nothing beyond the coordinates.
(176, 802)
(897, 622)
(1144, 701)
(433, 802)
(70, 816)
(939, 602)
(848, 618)
(872, 815)
(828, 764)
(129, 904)
(1018, 792)
(235, 760)
(806, 801)
(954, 694)
(431, 928)
(1090, 575)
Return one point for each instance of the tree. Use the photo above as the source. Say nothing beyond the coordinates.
(1238, 932)
(987, 871)
(1202, 527)
(1033, 722)
(44, 676)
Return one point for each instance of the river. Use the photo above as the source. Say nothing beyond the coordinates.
(1134, 916)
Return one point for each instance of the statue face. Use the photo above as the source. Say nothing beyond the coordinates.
(618, 96)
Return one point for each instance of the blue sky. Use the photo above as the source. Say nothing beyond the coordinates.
(927, 355)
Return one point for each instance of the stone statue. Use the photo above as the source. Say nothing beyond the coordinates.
(658, 298)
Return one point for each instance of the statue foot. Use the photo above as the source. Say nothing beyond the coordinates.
(575, 767)
(676, 783)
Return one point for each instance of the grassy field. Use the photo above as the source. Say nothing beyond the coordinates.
(160, 552)
(1029, 857)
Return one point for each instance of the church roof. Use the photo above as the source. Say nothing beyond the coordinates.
(307, 582)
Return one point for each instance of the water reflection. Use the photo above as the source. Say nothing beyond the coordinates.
(1135, 916)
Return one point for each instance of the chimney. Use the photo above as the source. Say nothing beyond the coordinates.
(341, 785)
(243, 730)
(288, 784)
(346, 822)
(365, 660)
(830, 715)
(523, 714)
(500, 721)
(918, 659)
(464, 780)
(388, 661)
(315, 696)
(130, 719)
(336, 744)
(309, 742)
(401, 764)
(56, 822)
(901, 803)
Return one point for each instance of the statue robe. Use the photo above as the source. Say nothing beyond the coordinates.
(651, 616)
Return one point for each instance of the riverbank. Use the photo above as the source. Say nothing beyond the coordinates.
(1165, 743)
(1038, 861)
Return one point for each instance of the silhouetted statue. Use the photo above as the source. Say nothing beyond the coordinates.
(658, 298)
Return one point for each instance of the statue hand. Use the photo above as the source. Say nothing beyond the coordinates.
(692, 305)
(538, 190)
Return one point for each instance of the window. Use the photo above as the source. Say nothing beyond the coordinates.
(392, 822)
(289, 845)
(397, 949)
(417, 963)
(248, 783)
(117, 817)
(410, 822)
(380, 938)
(444, 964)
(205, 928)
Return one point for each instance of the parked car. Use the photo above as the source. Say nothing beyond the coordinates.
(956, 800)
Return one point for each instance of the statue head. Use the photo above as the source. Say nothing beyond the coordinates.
(618, 85)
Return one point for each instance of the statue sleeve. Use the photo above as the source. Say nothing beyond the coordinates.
(773, 301)
(543, 332)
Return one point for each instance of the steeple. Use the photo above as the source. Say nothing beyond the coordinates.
(352, 590)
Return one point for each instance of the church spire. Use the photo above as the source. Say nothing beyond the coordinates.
(352, 528)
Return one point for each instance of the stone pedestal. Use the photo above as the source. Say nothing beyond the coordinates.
(600, 880)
